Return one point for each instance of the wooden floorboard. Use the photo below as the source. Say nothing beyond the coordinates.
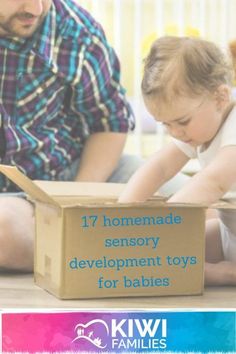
(19, 291)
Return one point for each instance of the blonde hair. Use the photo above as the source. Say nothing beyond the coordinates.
(184, 66)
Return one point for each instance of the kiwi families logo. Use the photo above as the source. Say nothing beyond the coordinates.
(95, 332)
(121, 334)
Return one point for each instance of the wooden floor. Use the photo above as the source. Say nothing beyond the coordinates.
(19, 291)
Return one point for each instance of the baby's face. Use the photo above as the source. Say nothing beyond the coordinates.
(192, 120)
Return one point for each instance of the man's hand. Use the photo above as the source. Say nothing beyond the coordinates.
(100, 156)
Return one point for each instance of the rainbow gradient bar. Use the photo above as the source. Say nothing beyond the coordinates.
(119, 332)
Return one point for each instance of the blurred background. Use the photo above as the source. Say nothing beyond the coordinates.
(132, 25)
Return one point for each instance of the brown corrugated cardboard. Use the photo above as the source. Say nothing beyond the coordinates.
(89, 246)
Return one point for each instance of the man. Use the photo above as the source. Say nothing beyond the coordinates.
(63, 113)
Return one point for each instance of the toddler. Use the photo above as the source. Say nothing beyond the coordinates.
(187, 87)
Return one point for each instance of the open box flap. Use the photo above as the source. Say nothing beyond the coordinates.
(68, 189)
(27, 185)
(88, 194)
(224, 204)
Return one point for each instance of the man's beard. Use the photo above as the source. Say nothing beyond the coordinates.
(14, 28)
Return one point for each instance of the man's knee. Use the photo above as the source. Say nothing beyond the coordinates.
(174, 185)
(16, 234)
(127, 166)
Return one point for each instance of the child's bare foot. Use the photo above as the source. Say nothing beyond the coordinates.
(222, 273)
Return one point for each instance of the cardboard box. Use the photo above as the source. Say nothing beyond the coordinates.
(88, 246)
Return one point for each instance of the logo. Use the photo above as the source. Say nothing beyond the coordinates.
(92, 332)
(138, 333)
(127, 333)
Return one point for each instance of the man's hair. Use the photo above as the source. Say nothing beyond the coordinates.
(184, 66)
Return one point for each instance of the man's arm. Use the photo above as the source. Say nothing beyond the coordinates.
(210, 184)
(157, 170)
(100, 156)
(100, 101)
